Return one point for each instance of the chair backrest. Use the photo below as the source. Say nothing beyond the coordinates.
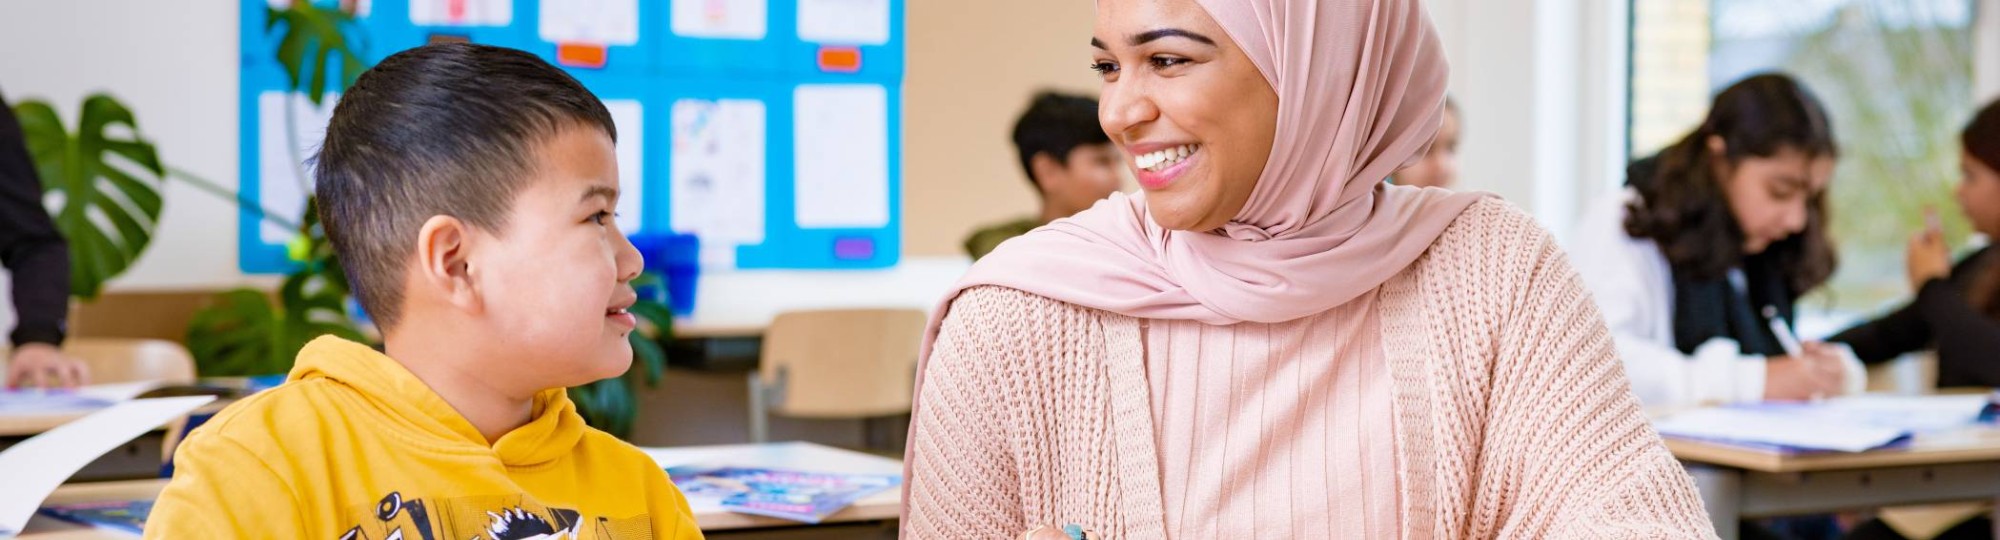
(843, 363)
(114, 360)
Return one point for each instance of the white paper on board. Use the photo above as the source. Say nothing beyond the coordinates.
(846, 22)
(721, 19)
(841, 151)
(461, 12)
(717, 172)
(629, 116)
(283, 179)
(37, 466)
(597, 22)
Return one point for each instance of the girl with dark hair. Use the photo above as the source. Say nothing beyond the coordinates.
(1957, 308)
(1698, 263)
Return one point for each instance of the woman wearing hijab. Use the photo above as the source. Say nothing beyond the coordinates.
(1269, 342)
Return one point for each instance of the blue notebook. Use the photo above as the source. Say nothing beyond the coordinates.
(129, 516)
(805, 497)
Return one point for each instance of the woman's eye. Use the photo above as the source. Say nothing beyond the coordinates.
(1104, 68)
(1164, 62)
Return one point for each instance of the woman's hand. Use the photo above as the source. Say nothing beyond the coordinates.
(1816, 372)
(1928, 258)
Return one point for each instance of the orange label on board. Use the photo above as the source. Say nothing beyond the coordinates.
(840, 59)
(581, 55)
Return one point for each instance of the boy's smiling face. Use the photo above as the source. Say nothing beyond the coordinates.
(555, 283)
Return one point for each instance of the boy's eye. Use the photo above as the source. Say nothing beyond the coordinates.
(598, 217)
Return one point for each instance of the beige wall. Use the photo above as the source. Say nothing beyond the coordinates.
(972, 65)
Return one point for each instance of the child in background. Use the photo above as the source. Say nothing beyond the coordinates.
(468, 190)
(1439, 167)
(1068, 159)
(1957, 308)
(1697, 265)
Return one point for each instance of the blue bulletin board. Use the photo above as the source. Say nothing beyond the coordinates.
(768, 129)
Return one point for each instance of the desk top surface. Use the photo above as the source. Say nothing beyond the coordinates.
(793, 455)
(1966, 445)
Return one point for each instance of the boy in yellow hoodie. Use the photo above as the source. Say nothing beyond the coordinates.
(468, 191)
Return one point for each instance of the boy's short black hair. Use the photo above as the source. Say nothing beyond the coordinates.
(1054, 124)
(448, 129)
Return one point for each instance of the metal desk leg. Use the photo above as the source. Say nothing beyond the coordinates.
(1722, 493)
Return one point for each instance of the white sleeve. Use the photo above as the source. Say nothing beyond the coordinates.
(1630, 282)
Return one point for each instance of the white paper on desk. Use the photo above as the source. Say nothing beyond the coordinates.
(1914, 413)
(1777, 427)
(87, 398)
(37, 466)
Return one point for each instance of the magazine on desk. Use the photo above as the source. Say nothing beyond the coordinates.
(806, 497)
(128, 516)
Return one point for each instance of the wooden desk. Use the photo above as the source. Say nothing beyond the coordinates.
(794, 455)
(29, 425)
(1739, 483)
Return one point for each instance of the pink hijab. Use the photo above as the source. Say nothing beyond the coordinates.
(1361, 86)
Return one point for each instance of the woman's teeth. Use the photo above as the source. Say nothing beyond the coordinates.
(1154, 161)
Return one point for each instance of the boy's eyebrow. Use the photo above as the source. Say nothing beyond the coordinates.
(610, 194)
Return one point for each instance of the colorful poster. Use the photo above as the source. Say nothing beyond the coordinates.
(461, 12)
(721, 19)
(283, 178)
(595, 22)
(717, 174)
(842, 155)
(629, 116)
(844, 22)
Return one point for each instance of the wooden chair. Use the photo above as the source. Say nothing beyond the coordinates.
(836, 364)
(113, 360)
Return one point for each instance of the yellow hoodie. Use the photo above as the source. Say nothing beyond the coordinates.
(354, 447)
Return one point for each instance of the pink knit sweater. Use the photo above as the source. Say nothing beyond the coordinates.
(1512, 416)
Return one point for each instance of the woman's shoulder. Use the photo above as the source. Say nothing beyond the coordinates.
(1493, 253)
(1016, 321)
(1491, 230)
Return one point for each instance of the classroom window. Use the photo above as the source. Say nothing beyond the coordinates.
(1896, 77)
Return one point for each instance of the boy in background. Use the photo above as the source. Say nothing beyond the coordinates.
(1069, 161)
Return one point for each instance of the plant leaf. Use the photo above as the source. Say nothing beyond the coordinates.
(77, 166)
(321, 32)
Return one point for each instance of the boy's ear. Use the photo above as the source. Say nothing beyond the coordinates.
(444, 262)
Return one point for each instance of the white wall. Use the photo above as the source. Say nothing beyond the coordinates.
(1541, 86)
(175, 64)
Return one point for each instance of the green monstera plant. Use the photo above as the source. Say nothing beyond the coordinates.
(250, 332)
(108, 179)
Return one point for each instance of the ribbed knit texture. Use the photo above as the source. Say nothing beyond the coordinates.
(1275, 430)
(1512, 416)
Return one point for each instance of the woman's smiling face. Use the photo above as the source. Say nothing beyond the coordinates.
(1195, 118)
